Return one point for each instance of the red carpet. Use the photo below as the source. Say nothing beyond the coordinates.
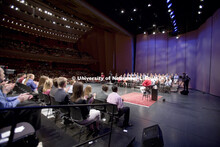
(136, 98)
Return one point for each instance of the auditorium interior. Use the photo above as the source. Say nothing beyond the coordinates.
(159, 58)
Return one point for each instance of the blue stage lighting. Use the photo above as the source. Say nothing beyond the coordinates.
(169, 5)
(168, 1)
(171, 13)
(172, 16)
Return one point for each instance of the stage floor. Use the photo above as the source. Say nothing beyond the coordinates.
(186, 121)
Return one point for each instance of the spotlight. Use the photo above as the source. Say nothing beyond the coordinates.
(122, 11)
(172, 16)
(171, 13)
(177, 37)
(163, 32)
(154, 25)
(200, 6)
(169, 10)
(154, 32)
(199, 12)
(169, 5)
(134, 10)
(168, 1)
(149, 5)
(144, 32)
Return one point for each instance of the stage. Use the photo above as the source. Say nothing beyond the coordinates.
(191, 120)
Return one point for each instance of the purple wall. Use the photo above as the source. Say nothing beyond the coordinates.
(215, 52)
(196, 52)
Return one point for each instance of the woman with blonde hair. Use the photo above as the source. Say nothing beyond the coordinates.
(47, 86)
(30, 82)
(88, 94)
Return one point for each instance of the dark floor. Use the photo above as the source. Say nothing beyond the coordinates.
(187, 121)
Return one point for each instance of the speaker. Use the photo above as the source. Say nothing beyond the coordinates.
(154, 94)
(152, 137)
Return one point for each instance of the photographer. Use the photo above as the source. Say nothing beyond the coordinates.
(185, 80)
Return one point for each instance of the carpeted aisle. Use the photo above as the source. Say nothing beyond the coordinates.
(138, 99)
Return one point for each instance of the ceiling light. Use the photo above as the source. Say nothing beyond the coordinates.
(201, 0)
(122, 11)
(199, 12)
(177, 37)
(169, 5)
(54, 22)
(171, 13)
(200, 6)
(154, 32)
(139, 27)
(134, 9)
(149, 5)
(131, 18)
(154, 25)
(172, 16)
(16, 8)
(12, 6)
(169, 10)
(144, 32)
(168, 1)
(163, 32)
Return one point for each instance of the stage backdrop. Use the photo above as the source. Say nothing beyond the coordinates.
(196, 53)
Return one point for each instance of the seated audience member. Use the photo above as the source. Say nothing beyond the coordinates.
(41, 83)
(88, 96)
(145, 84)
(88, 114)
(71, 86)
(61, 96)
(30, 82)
(168, 84)
(175, 78)
(54, 87)
(47, 86)
(102, 96)
(114, 98)
(33, 116)
(21, 78)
